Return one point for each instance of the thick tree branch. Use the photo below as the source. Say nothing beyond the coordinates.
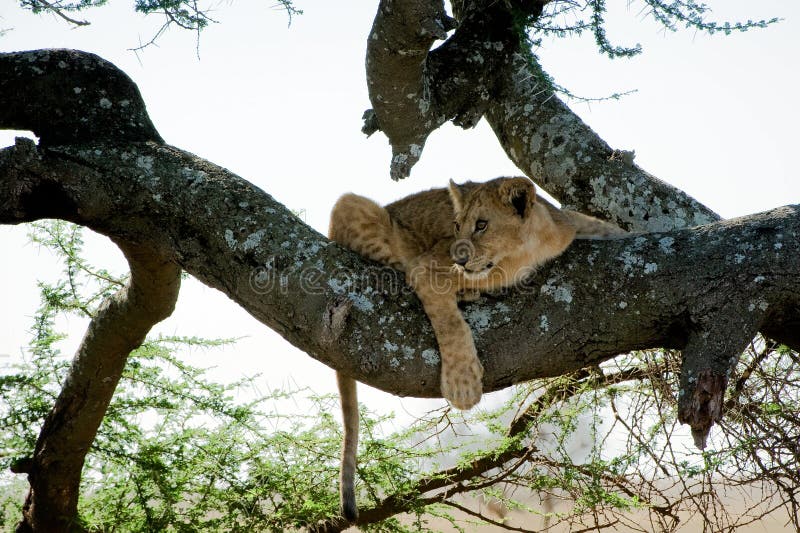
(398, 43)
(414, 92)
(484, 63)
(656, 289)
(119, 326)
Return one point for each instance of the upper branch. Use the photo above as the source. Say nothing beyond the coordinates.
(552, 145)
(401, 35)
(486, 69)
(412, 91)
(68, 96)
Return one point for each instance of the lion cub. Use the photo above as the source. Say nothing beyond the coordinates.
(452, 244)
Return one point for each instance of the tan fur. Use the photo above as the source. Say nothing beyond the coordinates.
(433, 238)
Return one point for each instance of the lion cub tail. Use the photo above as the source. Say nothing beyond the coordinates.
(347, 474)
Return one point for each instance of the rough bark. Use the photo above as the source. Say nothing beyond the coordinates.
(397, 46)
(657, 288)
(706, 290)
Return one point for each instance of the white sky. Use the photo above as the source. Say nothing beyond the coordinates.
(281, 107)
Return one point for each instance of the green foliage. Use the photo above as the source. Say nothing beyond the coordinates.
(568, 18)
(186, 14)
(40, 6)
(177, 451)
(572, 18)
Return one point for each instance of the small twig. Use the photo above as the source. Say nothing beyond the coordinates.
(57, 11)
(486, 519)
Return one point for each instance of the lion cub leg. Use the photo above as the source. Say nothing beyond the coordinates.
(364, 227)
(462, 372)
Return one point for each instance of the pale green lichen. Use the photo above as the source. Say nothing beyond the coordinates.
(253, 240)
(145, 162)
(193, 175)
(230, 239)
(478, 318)
(431, 357)
(665, 244)
(390, 346)
(342, 287)
(559, 292)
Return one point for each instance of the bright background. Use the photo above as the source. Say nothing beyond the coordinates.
(281, 106)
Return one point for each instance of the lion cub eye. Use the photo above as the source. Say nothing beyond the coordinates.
(480, 225)
(457, 226)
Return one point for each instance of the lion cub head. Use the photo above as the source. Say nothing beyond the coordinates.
(502, 229)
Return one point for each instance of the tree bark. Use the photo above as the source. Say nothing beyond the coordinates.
(657, 288)
(486, 69)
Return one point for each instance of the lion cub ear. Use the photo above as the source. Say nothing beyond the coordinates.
(456, 197)
(519, 193)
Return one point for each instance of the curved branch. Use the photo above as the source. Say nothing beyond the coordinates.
(412, 91)
(483, 68)
(486, 69)
(401, 35)
(119, 326)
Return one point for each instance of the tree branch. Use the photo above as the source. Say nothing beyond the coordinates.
(412, 91)
(56, 9)
(656, 289)
(398, 43)
(455, 480)
(486, 68)
(553, 146)
(119, 326)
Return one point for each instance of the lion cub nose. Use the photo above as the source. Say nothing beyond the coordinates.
(461, 261)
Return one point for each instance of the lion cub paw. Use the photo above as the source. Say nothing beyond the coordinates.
(462, 383)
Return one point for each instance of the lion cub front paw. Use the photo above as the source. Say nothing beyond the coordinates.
(462, 383)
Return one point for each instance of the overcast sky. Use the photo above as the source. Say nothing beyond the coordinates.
(281, 106)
